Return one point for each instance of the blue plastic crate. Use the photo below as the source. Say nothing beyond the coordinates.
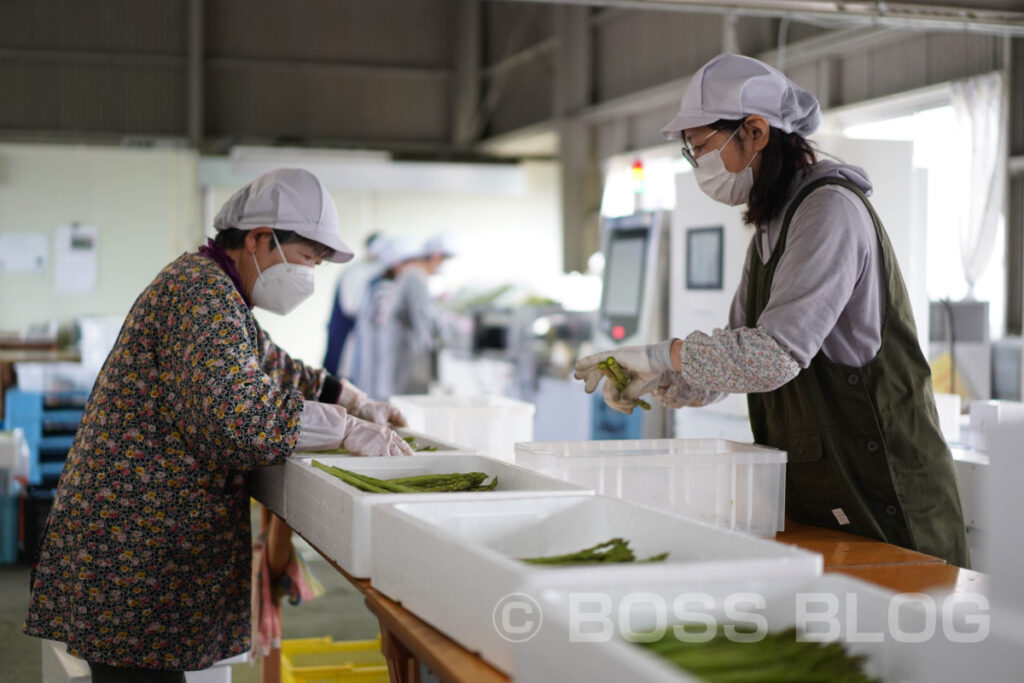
(8, 528)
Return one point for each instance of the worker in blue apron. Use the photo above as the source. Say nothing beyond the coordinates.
(821, 336)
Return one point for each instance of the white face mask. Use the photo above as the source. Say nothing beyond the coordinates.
(720, 183)
(282, 286)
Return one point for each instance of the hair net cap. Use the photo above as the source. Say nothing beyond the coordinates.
(440, 245)
(398, 249)
(733, 87)
(286, 199)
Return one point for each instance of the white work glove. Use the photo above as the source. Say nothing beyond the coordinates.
(357, 403)
(643, 364)
(324, 426)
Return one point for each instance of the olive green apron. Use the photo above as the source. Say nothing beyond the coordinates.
(865, 452)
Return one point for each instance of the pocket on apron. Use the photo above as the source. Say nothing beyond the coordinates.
(814, 493)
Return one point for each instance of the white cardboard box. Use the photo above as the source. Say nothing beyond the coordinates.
(465, 557)
(335, 517)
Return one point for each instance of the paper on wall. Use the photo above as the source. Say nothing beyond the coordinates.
(23, 252)
(76, 258)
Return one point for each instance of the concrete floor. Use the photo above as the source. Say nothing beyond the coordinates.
(340, 613)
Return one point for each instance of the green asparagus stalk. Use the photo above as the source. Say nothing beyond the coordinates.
(613, 551)
(778, 657)
(614, 372)
(469, 481)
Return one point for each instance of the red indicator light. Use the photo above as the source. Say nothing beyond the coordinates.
(618, 332)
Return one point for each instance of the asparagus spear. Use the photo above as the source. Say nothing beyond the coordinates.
(611, 369)
(615, 550)
(470, 481)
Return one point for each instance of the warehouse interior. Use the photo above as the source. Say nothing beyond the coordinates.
(526, 132)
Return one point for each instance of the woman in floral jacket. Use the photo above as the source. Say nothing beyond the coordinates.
(145, 562)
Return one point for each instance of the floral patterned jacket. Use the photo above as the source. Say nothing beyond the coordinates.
(146, 557)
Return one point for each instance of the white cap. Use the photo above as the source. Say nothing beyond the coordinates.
(397, 249)
(439, 244)
(286, 199)
(733, 87)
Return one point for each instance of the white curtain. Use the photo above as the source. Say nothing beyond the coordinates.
(978, 103)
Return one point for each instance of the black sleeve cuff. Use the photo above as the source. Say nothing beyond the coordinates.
(330, 392)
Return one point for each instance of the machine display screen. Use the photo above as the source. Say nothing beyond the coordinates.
(624, 273)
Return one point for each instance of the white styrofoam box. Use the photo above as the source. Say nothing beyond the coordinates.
(487, 424)
(1003, 516)
(97, 335)
(972, 475)
(335, 517)
(218, 673)
(442, 446)
(269, 487)
(996, 659)
(986, 415)
(948, 407)
(11, 441)
(60, 667)
(464, 554)
(738, 486)
(573, 642)
(57, 376)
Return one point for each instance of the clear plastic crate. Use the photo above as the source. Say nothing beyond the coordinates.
(489, 425)
(737, 486)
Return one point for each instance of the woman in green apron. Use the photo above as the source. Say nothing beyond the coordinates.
(821, 336)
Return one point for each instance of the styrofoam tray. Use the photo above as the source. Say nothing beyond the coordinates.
(567, 647)
(269, 486)
(737, 486)
(465, 556)
(335, 517)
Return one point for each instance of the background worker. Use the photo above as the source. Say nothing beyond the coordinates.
(399, 325)
(821, 336)
(348, 297)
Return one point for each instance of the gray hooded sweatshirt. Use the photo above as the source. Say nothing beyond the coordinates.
(828, 292)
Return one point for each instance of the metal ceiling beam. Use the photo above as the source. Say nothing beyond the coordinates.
(194, 95)
(895, 14)
(330, 68)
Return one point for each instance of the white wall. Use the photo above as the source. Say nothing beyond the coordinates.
(142, 201)
(500, 237)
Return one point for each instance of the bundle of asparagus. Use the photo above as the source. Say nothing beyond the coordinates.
(778, 657)
(424, 483)
(615, 550)
(611, 369)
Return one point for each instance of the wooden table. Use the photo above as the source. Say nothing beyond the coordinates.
(407, 640)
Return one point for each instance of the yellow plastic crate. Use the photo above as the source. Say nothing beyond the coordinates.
(321, 660)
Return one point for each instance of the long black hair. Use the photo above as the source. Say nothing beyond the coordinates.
(785, 155)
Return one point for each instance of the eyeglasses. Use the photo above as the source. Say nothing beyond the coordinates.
(687, 148)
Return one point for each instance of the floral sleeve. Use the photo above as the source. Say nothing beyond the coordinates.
(288, 372)
(219, 401)
(741, 361)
